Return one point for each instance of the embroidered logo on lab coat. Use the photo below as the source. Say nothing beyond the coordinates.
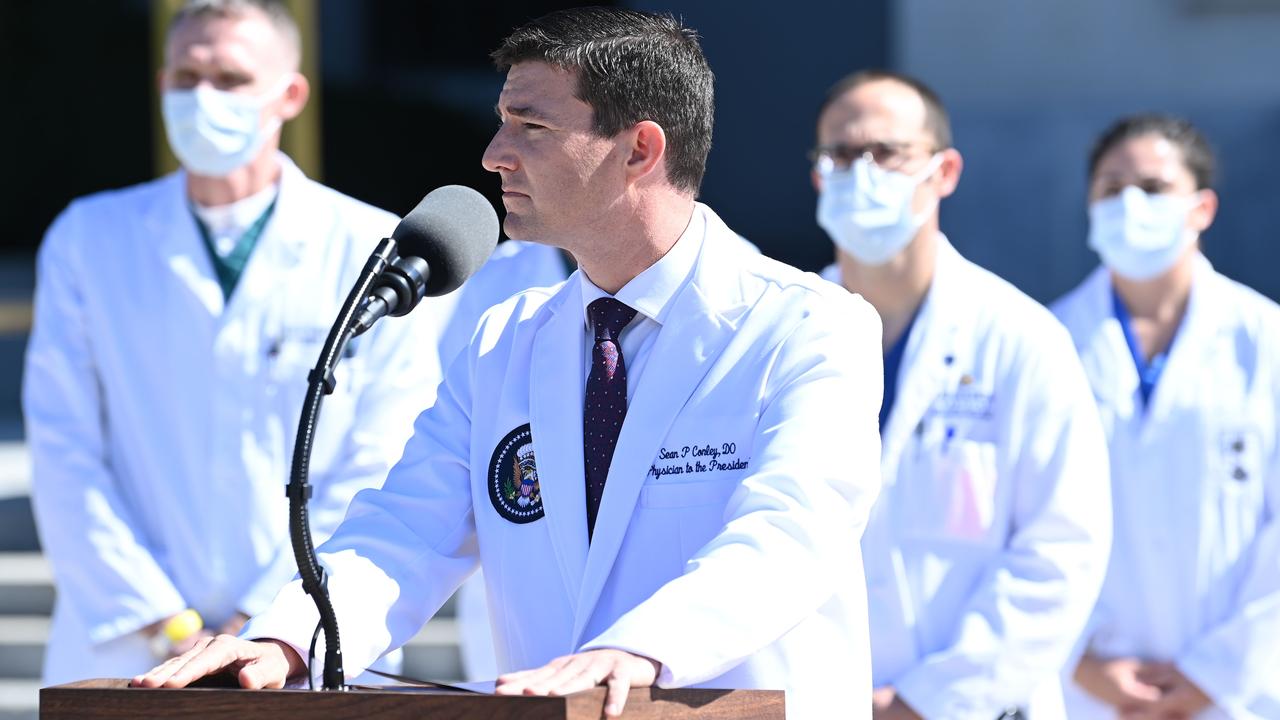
(968, 399)
(513, 478)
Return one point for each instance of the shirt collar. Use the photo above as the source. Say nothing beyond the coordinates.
(650, 293)
(236, 217)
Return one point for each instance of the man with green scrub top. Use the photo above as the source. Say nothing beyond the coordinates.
(175, 323)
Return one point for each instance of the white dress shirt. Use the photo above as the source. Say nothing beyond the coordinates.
(650, 294)
(226, 224)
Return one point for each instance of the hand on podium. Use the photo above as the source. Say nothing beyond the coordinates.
(256, 663)
(887, 705)
(270, 663)
(618, 669)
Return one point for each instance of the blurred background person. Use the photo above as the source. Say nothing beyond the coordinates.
(175, 323)
(987, 546)
(1185, 366)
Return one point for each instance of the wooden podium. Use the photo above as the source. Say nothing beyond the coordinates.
(116, 700)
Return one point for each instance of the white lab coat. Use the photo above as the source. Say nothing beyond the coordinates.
(1195, 571)
(161, 423)
(514, 266)
(746, 577)
(988, 545)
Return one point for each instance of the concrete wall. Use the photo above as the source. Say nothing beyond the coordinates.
(774, 62)
(1030, 84)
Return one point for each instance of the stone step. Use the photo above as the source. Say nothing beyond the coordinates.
(22, 639)
(26, 584)
(17, 526)
(432, 654)
(15, 469)
(19, 699)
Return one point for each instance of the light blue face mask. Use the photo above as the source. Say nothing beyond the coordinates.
(867, 210)
(1140, 236)
(214, 132)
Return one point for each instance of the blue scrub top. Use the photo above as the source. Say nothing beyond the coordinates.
(1148, 372)
(892, 365)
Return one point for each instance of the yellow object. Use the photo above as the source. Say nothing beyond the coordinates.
(182, 626)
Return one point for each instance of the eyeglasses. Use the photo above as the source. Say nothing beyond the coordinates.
(887, 155)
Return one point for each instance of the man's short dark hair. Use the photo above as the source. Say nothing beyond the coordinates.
(1197, 156)
(632, 66)
(936, 119)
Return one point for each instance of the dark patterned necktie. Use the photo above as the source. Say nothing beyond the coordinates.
(606, 401)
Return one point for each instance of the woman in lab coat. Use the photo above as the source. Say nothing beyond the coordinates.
(1185, 366)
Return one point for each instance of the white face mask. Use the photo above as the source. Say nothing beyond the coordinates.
(867, 210)
(214, 132)
(1140, 236)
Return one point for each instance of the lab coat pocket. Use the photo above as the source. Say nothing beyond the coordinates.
(291, 363)
(947, 491)
(689, 494)
(292, 350)
(694, 510)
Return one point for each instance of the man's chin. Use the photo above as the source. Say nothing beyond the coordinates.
(516, 229)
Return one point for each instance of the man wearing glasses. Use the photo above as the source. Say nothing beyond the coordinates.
(987, 547)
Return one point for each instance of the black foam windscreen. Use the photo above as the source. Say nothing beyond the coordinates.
(454, 229)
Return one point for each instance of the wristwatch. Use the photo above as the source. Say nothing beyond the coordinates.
(179, 627)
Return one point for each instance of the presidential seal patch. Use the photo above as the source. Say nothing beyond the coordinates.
(513, 478)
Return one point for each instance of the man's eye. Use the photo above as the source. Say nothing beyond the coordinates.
(228, 81)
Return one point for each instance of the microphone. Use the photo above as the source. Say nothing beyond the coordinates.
(440, 244)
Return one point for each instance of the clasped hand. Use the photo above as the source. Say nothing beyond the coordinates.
(1141, 690)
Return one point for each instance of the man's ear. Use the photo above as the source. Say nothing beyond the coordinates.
(295, 96)
(648, 150)
(948, 174)
(1204, 211)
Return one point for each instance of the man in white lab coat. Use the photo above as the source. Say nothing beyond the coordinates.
(514, 266)
(1185, 368)
(987, 547)
(702, 438)
(175, 324)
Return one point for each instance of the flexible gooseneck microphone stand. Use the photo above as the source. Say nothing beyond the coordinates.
(320, 382)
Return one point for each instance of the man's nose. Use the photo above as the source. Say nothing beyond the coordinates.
(498, 156)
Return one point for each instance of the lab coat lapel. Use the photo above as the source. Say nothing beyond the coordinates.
(280, 247)
(929, 358)
(170, 229)
(696, 331)
(1194, 340)
(1105, 355)
(555, 415)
